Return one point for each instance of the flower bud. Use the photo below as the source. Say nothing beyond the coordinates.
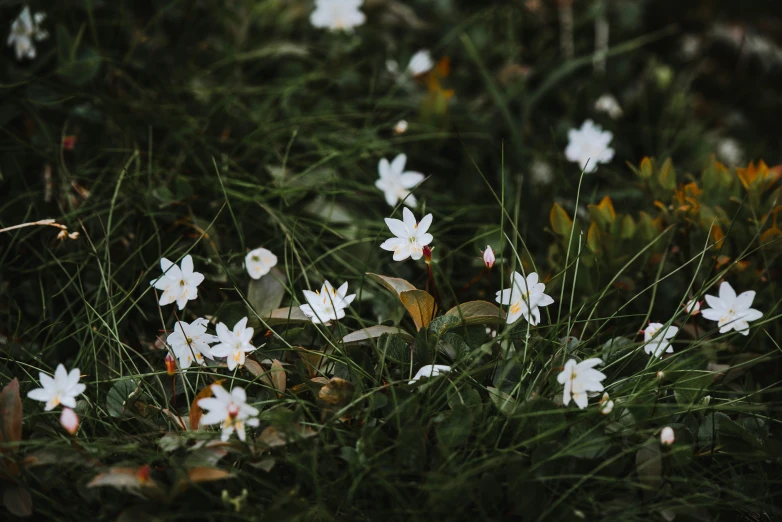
(400, 127)
(667, 436)
(428, 254)
(170, 364)
(69, 420)
(488, 257)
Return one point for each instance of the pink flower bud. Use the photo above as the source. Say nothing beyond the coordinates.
(427, 254)
(667, 436)
(488, 257)
(69, 420)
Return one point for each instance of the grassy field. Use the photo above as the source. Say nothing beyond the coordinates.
(550, 288)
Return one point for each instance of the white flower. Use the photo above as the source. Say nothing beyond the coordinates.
(667, 436)
(730, 311)
(657, 342)
(327, 304)
(62, 389)
(411, 237)
(488, 257)
(541, 172)
(580, 378)
(234, 344)
(24, 30)
(190, 342)
(525, 296)
(69, 420)
(395, 182)
(180, 285)
(259, 261)
(606, 404)
(588, 146)
(420, 63)
(400, 128)
(609, 105)
(337, 15)
(729, 151)
(230, 410)
(693, 307)
(430, 370)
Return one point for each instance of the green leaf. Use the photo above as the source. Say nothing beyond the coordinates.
(648, 464)
(120, 397)
(504, 403)
(265, 294)
(477, 312)
(456, 426)
(18, 501)
(374, 332)
(440, 325)
(560, 221)
(393, 348)
(691, 387)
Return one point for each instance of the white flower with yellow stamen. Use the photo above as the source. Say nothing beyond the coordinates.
(525, 296)
(230, 410)
(337, 15)
(259, 261)
(234, 344)
(327, 304)
(63, 388)
(580, 379)
(411, 236)
(731, 312)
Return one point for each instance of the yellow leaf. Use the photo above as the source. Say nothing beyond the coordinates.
(560, 221)
(420, 305)
(207, 474)
(393, 284)
(593, 238)
(647, 169)
(477, 312)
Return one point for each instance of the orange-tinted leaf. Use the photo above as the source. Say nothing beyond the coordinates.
(647, 168)
(393, 284)
(10, 413)
(593, 238)
(336, 393)
(207, 474)
(420, 305)
(195, 411)
(560, 221)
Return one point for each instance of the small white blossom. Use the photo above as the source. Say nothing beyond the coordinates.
(396, 183)
(488, 257)
(400, 128)
(730, 152)
(337, 15)
(190, 342)
(230, 410)
(62, 389)
(327, 304)
(420, 63)
(541, 172)
(525, 296)
(259, 261)
(234, 344)
(69, 420)
(731, 312)
(606, 404)
(609, 105)
(430, 370)
(179, 285)
(693, 307)
(411, 236)
(589, 146)
(579, 379)
(657, 341)
(667, 436)
(24, 30)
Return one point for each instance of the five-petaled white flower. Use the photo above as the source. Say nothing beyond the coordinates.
(396, 183)
(488, 257)
(234, 344)
(657, 340)
(731, 312)
(430, 370)
(579, 379)
(178, 284)
(24, 30)
(588, 146)
(259, 261)
(420, 63)
(609, 105)
(327, 304)
(337, 15)
(190, 342)
(230, 410)
(525, 296)
(411, 236)
(62, 389)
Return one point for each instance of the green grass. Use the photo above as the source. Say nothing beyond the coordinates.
(210, 128)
